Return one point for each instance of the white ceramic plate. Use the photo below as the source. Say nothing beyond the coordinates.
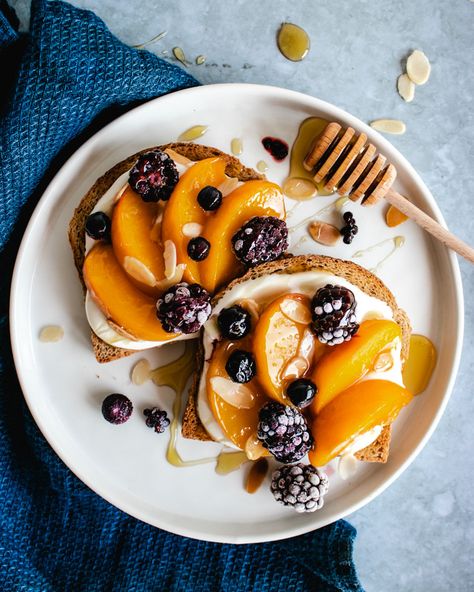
(64, 386)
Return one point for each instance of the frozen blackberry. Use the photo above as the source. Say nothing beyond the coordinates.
(98, 226)
(154, 176)
(350, 229)
(184, 308)
(157, 419)
(198, 248)
(301, 392)
(209, 198)
(299, 486)
(117, 408)
(282, 430)
(262, 239)
(333, 311)
(234, 322)
(240, 366)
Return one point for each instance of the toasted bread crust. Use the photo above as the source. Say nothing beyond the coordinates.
(234, 168)
(358, 276)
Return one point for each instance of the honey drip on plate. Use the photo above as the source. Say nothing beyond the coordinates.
(175, 375)
(256, 475)
(262, 166)
(236, 146)
(397, 242)
(293, 42)
(420, 364)
(193, 133)
(230, 461)
(335, 206)
(300, 184)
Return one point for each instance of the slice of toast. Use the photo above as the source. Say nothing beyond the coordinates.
(234, 168)
(358, 276)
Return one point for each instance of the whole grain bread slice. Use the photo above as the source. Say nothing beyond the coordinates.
(234, 168)
(192, 427)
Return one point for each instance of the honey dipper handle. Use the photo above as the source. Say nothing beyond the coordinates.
(428, 224)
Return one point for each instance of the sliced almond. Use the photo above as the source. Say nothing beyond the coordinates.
(295, 368)
(170, 258)
(139, 271)
(228, 185)
(418, 67)
(324, 233)
(296, 311)
(406, 88)
(254, 449)
(51, 334)
(121, 331)
(179, 158)
(299, 188)
(389, 126)
(347, 466)
(192, 229)
(141, 372)
(383, 362)
(166, 283)
(236, 394)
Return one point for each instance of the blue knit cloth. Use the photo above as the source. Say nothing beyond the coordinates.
(61, 82)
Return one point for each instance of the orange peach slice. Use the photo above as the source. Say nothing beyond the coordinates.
(119, 299)
(253, 198)
(283, 344)
(183, 209)
(136, 244)
(352, 413)
(347, 363)
(238, 423)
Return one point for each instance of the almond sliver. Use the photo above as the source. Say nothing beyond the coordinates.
(406, 88)
(192, 229)
(389, 126)
(170, 258)
(254, 448)
(166, 283)
(324, 233)
(418, 67)
(236, 394)
(139, 271)
(228, 185)
(296, 311)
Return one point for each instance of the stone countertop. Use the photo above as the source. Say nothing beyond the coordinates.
(419, 534)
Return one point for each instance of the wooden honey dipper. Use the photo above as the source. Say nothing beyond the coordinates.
(345, 162)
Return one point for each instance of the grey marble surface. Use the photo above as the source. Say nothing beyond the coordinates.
(418, 535)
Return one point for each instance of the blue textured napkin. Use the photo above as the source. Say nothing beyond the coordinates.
(60, 82)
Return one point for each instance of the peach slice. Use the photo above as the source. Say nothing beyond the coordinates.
(352, 413)
(238, 424)
(137, 245)
(183, 209)
(347, 363)
(394, 217)
(119, 299)
(283, 344)
(253, 198)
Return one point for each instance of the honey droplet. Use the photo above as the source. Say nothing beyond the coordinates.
(262, 166)
(179, 55)
(256, 475)
(293, 42)
(298, 188)
(51, 334)
(193, 133)
(236, 146)
(141, 372)
(420, 364)
(230, 461)
(394, 217)
(200, 60)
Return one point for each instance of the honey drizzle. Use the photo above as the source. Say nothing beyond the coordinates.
(397, 243)
(309, 129)
(256, 475)
(421, 362)
(236, 146)
(335, 205)
(293, 42)
(175, 375)
(193, 133)
(230, 461)
(262, 166)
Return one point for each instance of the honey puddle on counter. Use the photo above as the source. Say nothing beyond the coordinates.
(299, 184)
(420, 364)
